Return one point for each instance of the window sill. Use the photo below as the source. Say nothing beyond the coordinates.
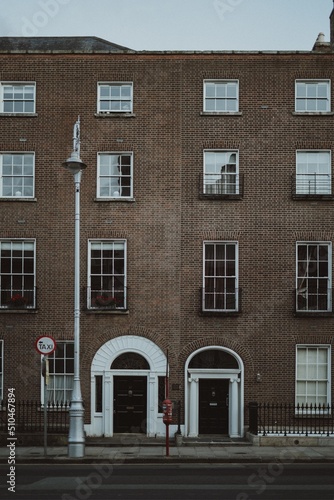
(317, 197)
(121, 312)
(219, 313)
(23, 310)
(18, 199)
(220, 113)
(313, 113)
(128, 200)
(313, 314)
(22, 115)
(204, 196)
(114, 115)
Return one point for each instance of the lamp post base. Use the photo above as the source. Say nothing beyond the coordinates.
(76, 450)
(76, 437)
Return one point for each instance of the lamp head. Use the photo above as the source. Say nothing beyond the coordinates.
(74, 164)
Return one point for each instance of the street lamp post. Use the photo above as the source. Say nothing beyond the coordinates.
(76, 437)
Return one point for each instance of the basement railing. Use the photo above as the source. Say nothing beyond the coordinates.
(289, 419)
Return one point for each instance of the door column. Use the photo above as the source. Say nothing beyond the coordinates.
(193, 407)
(234, 408)
(108, 406)
(151, 407)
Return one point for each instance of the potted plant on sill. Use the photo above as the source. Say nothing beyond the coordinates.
(17, 301)
(105, 301)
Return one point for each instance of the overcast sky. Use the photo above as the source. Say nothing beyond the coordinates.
(174, 24)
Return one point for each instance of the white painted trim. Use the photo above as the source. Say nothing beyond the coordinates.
(236, 393)
(101, 364)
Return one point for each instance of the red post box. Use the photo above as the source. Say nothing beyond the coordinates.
(167, 408)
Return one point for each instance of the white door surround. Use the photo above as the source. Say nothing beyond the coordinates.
(236, 393)
(102, 421)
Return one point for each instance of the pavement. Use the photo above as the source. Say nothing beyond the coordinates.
(151, 450)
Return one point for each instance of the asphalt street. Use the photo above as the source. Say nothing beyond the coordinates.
(272, 481)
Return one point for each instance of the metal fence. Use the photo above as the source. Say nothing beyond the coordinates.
(29, 416)
(284, 419)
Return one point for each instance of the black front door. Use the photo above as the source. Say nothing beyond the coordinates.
(130, 404)
(213, 406)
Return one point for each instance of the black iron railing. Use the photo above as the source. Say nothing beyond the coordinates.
(284, 419)
(107, 299)
(311, 185)
(29, 416)
(18, 298)
(220, 186)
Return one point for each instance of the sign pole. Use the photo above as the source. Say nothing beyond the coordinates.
(45, 345)
(167, 397)
(46, 360)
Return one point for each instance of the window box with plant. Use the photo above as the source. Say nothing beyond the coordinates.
(17, 301)
(105, 301)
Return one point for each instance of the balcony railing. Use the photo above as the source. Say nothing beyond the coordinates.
(284, 419)
(18, 298)
(107, 299)
(220, 302)
(305, 186)
(221, 186)
(313, 300)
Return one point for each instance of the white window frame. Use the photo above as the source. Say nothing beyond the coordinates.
(15, 86)
(1, 368)
(226, 181)
(314, 181)
(309, 98)
(221, 99)
(15, 277)
(216, 295)
(125, 108)
(114, 180)
(116, 291)
(311, 394)
(50, 387)
(307, 293)
(17, 175)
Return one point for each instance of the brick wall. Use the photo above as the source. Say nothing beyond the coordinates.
(167, 223)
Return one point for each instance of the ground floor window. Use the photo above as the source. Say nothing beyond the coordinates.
(61, 373)
(312, 375)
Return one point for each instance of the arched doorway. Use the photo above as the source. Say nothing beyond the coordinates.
(125, 376)
(214, 392)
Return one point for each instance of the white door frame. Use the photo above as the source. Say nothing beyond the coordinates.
(236, 393)
(102, 422)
